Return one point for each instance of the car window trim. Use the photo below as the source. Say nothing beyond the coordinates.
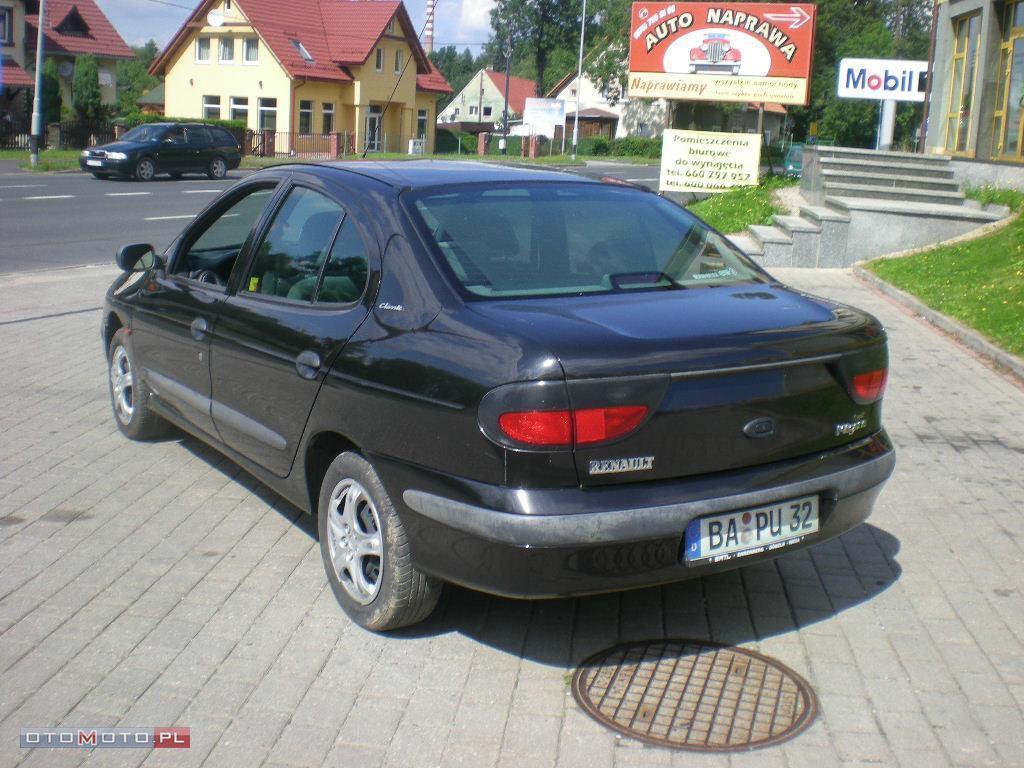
(313, 303)
(215, 210)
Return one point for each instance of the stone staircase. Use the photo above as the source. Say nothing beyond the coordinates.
(863, 204)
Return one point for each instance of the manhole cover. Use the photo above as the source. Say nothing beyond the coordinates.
(692, 694)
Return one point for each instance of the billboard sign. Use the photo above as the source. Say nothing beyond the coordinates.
(883, 79)
(740, 52)
(544, 112)
(709, 161)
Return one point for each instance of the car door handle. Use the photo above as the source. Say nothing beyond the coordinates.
(308, 365)
(199, 329)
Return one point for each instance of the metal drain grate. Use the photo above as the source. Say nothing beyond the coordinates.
(692, 694)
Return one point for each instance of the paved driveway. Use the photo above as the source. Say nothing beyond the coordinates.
(151, 585)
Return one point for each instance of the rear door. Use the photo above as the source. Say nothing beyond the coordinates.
(200, 148)
(302, 297)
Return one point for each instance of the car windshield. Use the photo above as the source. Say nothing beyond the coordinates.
(551, 239)
(145, 133)
(796, 152)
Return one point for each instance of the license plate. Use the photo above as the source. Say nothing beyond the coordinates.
(750, 531)
(96, 163)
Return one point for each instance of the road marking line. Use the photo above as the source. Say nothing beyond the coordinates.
(49, 197)
(169, 218)
(22, 186)
(127, 194)
(201, 191)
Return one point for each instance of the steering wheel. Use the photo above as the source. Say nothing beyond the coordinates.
(208, 276)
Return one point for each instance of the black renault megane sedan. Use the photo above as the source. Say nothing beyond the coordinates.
(525, 382)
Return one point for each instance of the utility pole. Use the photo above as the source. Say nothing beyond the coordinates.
(508, 76)
(37, 101)
(579, 82)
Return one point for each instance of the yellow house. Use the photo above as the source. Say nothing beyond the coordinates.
(307, 68)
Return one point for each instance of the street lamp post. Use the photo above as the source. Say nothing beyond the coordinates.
(579, 82)
(37, 101)
(508, 76)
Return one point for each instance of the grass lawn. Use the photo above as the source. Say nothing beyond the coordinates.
(49, 159)
(733, 211)
(980, 282)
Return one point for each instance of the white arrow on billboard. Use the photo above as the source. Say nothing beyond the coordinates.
(796, 17)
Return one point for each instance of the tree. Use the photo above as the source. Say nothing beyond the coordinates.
(133, 78)
(85, 89)
(51, 92)
(534, 30)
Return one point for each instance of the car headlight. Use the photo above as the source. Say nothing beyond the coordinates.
(85, 153)
(116, 156)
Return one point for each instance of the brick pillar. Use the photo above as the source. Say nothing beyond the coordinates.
(335, 145)
(268, 143)
(533, 147)
(481, 144)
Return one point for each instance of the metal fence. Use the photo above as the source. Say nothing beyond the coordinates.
(14, 134)
(67, 134)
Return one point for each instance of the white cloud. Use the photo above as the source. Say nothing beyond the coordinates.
(463, 21)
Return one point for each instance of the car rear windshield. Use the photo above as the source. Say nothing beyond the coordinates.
(549, 239)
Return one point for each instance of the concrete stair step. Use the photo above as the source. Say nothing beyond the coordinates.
(899, 157)
(747, 244)
(768, 235)
(792, 225)
(909, 208)
(898, 180)
(874, 192)
(822, 213)
(857, 164)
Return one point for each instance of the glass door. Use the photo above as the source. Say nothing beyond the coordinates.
(1007, 125)
(960, 116)
(374, 116)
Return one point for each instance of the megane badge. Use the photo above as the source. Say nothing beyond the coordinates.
(760, 428)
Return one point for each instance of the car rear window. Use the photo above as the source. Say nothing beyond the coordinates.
(222, 138)
(550, 239)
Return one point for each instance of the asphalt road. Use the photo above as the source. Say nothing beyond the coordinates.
(54, 220)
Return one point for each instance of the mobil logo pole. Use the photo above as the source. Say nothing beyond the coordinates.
(885, 80)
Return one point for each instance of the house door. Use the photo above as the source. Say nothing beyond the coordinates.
(374, 127)
(1007, 123)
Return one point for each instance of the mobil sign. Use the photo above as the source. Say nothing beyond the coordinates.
(883, 79)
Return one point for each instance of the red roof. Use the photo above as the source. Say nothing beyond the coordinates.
(63, 20)
(519, 90)
(11, 75)
(335, 33)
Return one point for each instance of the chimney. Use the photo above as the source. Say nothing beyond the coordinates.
(428, 28)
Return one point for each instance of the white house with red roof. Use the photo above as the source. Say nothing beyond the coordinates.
(303, 68)
(72, 28)
(483, 99)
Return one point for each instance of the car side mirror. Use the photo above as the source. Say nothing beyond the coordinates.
(136, 257)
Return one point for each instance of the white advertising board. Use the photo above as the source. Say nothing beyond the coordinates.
(882, 79)
(544, 112)
(708, 161)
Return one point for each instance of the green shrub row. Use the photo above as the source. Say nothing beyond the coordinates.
(628, 146)
(130, 121)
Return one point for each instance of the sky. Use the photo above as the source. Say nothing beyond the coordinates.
(458, 22)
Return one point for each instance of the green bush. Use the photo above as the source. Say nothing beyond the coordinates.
(85, 89)
(132, 120)
(594, 145)
(636, 146)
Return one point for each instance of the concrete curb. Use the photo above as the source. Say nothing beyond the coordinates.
(1007, 361)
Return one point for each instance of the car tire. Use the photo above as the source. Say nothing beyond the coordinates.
(218, 168)
(129, 395)
(145, 169)
(355, 519)
(101, 176)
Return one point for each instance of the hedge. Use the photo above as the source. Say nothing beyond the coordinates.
(628, 146)
(130, 121)
(447, 142)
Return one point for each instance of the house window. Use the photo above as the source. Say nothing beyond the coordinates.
(487, 111)
(421, 123)
(227, 50)
(268, 114)
(380, 60)
(240, 108)
(203, 49)
(455, 114)
(252, 50)
(306, 55)
(398, 62)
(6, 26)
(959, 118)
(211, 107)
(472, 110)
(305, 116)
(327, 110)
(227, 5)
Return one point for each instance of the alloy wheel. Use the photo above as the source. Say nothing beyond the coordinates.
(355, 541)
(146, 170)
(219, 168)
(122, 384)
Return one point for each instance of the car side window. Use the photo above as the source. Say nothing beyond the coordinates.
(176, 134)
(345, 273)
(290, 259)
(198, 136)
(210, 254)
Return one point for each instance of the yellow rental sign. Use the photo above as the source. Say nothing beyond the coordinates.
(706, 161)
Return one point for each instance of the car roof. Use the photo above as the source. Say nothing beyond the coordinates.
(433, 173)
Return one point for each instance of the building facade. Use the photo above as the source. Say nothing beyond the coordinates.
(977, 96)
(483, 99)
(636, 117)
(304, 69)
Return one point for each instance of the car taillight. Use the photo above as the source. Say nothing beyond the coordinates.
(867, 388)
(565, 428)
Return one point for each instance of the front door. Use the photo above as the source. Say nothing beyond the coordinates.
(374, 127)
(174, 152)
(177, 310)
(301, 299)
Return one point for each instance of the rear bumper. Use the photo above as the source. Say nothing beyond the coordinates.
(559, 542)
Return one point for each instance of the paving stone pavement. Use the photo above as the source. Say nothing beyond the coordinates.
(157, 584)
